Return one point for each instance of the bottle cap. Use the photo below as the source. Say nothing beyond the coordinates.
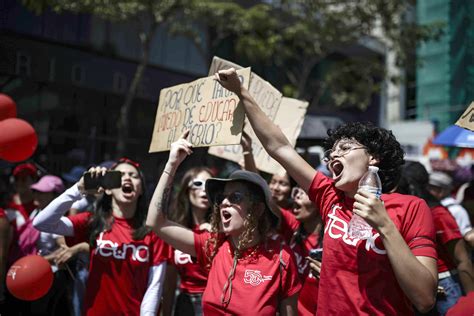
(374, 168)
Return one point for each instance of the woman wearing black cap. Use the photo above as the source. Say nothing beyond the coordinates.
(250, 271)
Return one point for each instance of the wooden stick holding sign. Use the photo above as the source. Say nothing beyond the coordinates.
(211, 113)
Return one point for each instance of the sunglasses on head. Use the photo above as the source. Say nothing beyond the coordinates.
(233, 198)
(197, 184)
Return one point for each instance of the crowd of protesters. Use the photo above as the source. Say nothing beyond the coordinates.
(209, 245)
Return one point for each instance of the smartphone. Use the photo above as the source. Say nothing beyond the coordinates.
(316, 254)
(111, 180)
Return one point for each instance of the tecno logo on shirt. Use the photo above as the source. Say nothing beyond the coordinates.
(337, 228)
(108, 248)
(181, 258)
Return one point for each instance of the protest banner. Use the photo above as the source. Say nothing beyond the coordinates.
(467, 118)
(289, 118)
(266, 96)
(213, 114)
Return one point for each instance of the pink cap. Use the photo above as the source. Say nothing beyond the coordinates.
(49, 184)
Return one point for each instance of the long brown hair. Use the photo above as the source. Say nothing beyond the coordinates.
(182, 209)
(102, 219)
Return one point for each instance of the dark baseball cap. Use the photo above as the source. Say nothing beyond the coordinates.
(215, 186)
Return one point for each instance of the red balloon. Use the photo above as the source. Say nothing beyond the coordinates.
(18, 140)
(30, 278)
(7, 107)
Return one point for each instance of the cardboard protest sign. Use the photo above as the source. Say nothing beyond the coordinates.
(290, 118)
(467, 118)
(213, 114)
(266, 96)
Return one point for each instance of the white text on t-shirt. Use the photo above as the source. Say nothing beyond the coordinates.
(107, 248)
(337, 228)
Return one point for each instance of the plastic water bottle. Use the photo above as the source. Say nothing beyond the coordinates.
(370, 181)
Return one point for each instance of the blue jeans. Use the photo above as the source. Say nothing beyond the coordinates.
(452, 288)
(79, 289)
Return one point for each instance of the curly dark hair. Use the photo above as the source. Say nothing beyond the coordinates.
(102, 219)
(380, 143)
(262, 224)
(182, 211)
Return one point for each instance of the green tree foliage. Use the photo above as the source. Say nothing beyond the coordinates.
(295, 37)
(315, 46)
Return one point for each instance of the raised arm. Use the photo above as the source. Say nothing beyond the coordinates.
(271, 137)
(51, 219)
(249, 161)
(172, 233)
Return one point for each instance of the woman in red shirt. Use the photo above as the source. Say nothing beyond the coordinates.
(303, 229)
(190, 209)
(127, 260)
(251, 272)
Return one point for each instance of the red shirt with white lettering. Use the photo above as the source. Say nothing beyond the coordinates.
(193, 278)
(308, 297)
(357, 277)
(259, 284)
(446, 230)
(119, 265)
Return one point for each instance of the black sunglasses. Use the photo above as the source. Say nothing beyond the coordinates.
(234, 197)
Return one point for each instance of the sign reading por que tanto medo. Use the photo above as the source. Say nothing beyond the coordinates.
(213, 115)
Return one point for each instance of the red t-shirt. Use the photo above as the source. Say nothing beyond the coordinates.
(119, 265)
(193, 278)
(260, 283)
(288, 224)
(308, 297)
(446, 230)
(18, 215)
(357, 277)
(25, 208)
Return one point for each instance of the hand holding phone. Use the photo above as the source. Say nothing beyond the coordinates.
(111, 180)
